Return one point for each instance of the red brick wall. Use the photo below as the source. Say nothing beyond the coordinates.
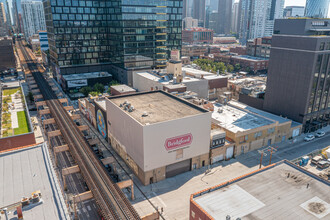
(199, 214)
(17, 141)
(218, 83)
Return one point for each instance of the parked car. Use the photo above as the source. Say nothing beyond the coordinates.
(309, 137)
(323, 164)
(316, 159)
(319, 134)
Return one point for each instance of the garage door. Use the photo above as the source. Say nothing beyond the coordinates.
(177, 168)
(229, 152)
(217, 158)
(295, 132)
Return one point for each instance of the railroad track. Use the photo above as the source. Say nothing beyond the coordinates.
(109, 197)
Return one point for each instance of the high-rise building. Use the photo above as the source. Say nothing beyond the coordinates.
(17, 13)
(257, 18)
(298, 83)
(3, 21)
(224, 13)
(189, 22)
(294, 11)
(317, 8)
(199, 12)
(118, 36)
(33, 18)
(187, 8)
(234, 17)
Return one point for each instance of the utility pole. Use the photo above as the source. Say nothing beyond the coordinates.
(263, 153)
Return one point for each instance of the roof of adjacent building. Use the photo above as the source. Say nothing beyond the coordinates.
(123, 88)
(25, 171)
(268, 115)
(237, 120)
(101, 103)
(279, 191)
(247, 57)
(158, 106)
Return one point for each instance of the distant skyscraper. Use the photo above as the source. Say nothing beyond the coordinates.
(17, 13)
(187, 8)
(294, 11)
(234, 17)
(33, 17)
(199, 12)
(257, 18)
(224, 13)
(317, 8)
(116, 36)
(3, 21)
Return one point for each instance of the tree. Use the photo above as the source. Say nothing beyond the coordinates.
(113, 83)
(237, 67)
(99, 88)
(94, 93)
(230, 68)
(86, 90)
(30, 96)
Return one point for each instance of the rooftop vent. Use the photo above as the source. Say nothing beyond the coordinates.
(131, 109)
(145, 114)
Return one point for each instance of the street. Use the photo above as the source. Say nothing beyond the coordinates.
(173, 194)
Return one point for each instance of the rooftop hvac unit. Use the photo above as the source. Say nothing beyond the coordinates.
(145, 114)
(220, 110)
(125, 108)
(131, 108)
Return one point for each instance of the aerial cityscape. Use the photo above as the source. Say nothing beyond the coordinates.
(165, 109)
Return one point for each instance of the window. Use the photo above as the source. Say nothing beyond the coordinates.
(258, 134)
(243, 139)
(271, 130)
(193, 214)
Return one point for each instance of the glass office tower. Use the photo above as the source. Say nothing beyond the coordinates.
(317, 9)
(142, 32)
(127, 34)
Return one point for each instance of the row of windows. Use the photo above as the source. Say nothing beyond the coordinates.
(93, 10)
(113, 3)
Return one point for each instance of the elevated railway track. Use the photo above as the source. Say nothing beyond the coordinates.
(109, 197)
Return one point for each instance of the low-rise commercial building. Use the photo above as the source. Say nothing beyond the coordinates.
(201, 82)
(248, 63)
(34, 42)
(250, 128)
(197, 35)
(77, 81)
(121, 90)
(158, 134)
(7, 56)
(278, 191)
(259, 47)
(194, 51)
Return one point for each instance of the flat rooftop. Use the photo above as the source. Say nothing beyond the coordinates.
(158, 105)
(101, 103)
(196, 72)
(25, 171)
(259, 112)
(247, 57)
(237, 120)
(86, 75)
(123, 88)
(276, 192)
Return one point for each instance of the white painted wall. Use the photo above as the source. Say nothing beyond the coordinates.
(146, 144)
(155, 136)
(142, 83)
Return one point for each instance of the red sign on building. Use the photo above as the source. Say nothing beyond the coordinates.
(178, 142)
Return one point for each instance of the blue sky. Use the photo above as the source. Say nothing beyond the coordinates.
(295, 2)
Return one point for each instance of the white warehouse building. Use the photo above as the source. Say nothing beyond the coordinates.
(159, 135)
